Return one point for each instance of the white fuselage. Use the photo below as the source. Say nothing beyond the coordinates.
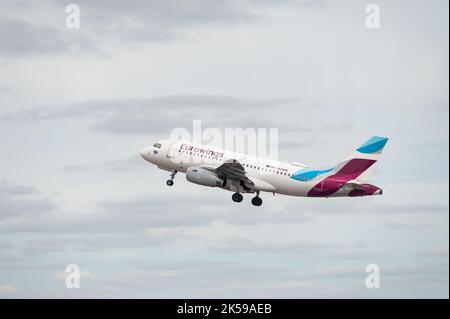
(268, 175)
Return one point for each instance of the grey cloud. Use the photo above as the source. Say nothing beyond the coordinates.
(161, 114)
(202, 211)
(5, 89)
(120, 165)
(9, 291)
(125, 164)
(5, 245)
(398, 280)
(135, 214)
(161, 210)
(148, 211)
(156, 21)
(16, 201)
(405, 226)
(197, 279)
(136, 21)
(302, 249)
(8, 188)
(78, 167)
(421, 273)
(21, 259)
(151, 211)
(408, 208)
(183, 105)
(23, 38)
(354, 206)
(439, 251)
(269, 215)
(96, 243)
(237, 280)
(239, 245)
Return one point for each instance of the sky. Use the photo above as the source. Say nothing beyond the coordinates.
(77, 105)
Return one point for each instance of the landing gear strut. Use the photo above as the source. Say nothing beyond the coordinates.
(172, 176)
(257, 201)
(237, 197)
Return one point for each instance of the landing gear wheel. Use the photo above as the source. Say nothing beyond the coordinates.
(237, 197)
(257, 201)
(172, 176)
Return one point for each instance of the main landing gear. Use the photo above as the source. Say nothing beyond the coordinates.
(237, 197)
(172, 176)
(257, 201)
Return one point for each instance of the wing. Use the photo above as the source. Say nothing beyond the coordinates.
(232, 169)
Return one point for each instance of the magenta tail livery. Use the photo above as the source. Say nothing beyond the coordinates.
(241, 173)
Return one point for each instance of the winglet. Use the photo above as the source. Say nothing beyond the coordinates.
(374, 145)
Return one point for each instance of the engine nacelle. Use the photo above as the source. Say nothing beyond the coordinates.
(203, 177)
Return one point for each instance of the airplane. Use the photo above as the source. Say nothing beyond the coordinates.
(242, 173)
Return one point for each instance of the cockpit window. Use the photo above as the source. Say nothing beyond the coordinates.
(157, 145)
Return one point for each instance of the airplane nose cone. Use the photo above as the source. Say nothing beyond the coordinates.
(145, 153)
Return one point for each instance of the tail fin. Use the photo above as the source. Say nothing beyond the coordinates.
(359, 164)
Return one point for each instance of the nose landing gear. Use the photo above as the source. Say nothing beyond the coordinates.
(169, 182)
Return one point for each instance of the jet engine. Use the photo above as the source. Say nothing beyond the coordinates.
(203, 177)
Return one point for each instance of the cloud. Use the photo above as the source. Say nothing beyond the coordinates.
(159, 210)
(19, 37)
(100, 242)
(191, 280)
(405, 226)
(21, 201)
(160, 21)
(240, 245)
(408, 208)
(322, 250)
(128, 215)
(124, 164)
(12, 189)
(137, 21)
(84, 275)
(121, 165)
(271, 214)
(5, 89)
(438, 251)
(243, 280)
(160, 114)
(8, 291)
(149, 211)
(5, 245)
